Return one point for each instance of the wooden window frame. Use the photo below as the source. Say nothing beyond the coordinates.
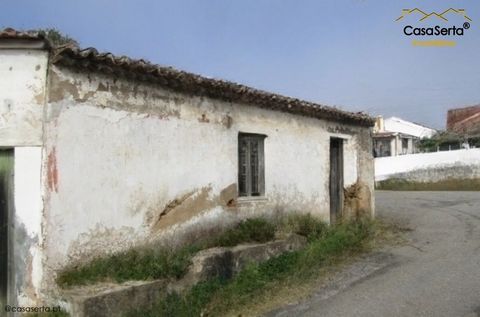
(247, 190)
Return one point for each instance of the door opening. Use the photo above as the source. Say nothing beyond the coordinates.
(336, 179)
(6, 212)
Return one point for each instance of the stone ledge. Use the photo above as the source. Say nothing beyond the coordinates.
(110, 299)
(114, 299)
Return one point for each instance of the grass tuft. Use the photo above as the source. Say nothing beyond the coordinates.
(305, 225)
(219, 297)
(149, 263)
(130, 265)
(249, 230)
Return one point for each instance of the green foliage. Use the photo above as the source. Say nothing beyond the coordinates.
(149, 263)
(216, 297)
(130, 265)
(428, 145)
(441, 139)
(443, 185)
(475, 142)
(56, 37)
(250, 230)
(192, 304)
(306, 225)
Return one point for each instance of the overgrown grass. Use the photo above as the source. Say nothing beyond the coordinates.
(305, 225)
(443, 185)
(250, 230)
(218, 297)
(130, 265)
(149, 263)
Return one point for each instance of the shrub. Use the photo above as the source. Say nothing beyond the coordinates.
(306, 225)
(56, 37)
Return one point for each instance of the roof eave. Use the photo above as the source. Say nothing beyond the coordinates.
(195, 84)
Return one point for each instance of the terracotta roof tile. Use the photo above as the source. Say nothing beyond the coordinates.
(10, 33)
(186, 82)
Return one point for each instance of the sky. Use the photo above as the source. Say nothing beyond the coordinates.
(351, 54)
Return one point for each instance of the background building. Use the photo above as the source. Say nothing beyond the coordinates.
(464, 121)
(394, 136)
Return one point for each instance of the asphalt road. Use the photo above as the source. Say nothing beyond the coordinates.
(436, 273)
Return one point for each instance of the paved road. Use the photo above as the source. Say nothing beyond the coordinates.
(436, 274)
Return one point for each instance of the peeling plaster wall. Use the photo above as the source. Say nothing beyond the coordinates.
(27, 251)
(22, 95)
(22, 98)
(131, 163)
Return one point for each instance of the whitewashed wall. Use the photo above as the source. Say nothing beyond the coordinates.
(22, 95)
(395, 124)
(22, 99)
(119, 152)
(388, 167)
(97, 166)
(28, 219)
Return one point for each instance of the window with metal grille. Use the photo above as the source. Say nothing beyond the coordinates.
(251, 164)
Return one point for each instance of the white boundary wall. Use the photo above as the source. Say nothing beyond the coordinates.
(385, 167)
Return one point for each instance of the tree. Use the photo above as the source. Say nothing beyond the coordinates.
(442, 139)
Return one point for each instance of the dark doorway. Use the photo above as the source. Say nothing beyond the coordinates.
(6, 211)
(336, 179)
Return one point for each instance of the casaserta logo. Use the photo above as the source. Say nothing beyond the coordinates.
(434, 30)
(424, 16)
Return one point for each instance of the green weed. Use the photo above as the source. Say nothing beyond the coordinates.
(130, 265)
(217, 297)
(249, 230)
(149, 263)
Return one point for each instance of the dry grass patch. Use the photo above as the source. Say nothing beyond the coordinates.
(283, 279)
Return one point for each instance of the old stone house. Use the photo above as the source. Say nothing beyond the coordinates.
(100, 153)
